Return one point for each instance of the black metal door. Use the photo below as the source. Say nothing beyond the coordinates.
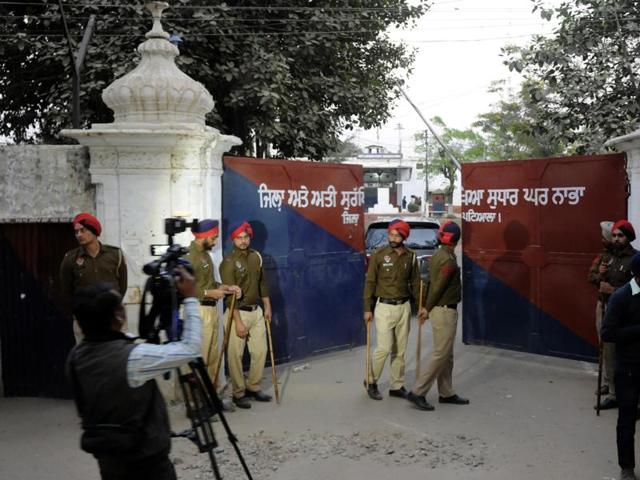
(35, 334)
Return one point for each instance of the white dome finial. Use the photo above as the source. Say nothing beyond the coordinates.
(156, 9)
(157, 91)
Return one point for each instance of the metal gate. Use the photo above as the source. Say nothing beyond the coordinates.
(530, 232)
(308, 224)
(35, 336)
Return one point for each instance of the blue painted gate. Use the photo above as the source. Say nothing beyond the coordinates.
(308, 224)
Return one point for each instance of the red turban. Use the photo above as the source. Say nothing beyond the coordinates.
(625, 227)
(449, 233)
(401, 227)
(241, 227)
(89, 222)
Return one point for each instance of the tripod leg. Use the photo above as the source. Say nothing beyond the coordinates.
(199, 412)
(199, 370)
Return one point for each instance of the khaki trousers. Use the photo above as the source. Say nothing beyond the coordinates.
(444, 322)
(77, 331)
(608, 355)
(210, 355)
(392, 334)
(257, 343)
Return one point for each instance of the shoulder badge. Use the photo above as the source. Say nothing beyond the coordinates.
(238, 265)
(79, 260)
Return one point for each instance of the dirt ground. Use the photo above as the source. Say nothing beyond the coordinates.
(530, 417)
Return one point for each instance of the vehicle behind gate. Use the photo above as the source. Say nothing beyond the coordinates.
(530, 231)
(423, 240)
(308, 225)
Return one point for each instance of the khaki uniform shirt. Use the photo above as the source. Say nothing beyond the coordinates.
(595, 277)
(244, 268)
(445, 286)
(78, 269)
(203, 272)
(392, 276)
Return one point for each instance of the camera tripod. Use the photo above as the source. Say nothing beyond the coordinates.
(202, 403)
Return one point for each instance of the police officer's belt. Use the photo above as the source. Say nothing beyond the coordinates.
(208, 303)
(248, 308)
(393, 301)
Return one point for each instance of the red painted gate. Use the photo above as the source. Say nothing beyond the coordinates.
(530, 231)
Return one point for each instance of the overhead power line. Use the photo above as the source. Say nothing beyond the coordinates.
(227, 7)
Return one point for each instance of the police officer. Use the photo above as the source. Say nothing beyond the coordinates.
(208, 291)
(615, 275)
(92, 262)
(596, 275)
(393, 277)
(444, 293)
(243, 266)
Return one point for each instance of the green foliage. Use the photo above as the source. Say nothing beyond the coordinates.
(291, 75)
(510, 130)
(412, 207)
(467, 145)
(583, 80)
(342, 151)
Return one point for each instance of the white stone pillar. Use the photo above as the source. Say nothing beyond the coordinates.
(630, 144)
(157, 158)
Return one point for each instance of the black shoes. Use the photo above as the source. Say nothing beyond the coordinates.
(373, 391)
(242, 402)
(399, 393)
(627, 474)
(259, 396)
(419, 402)
(608, 403)
(454, 400)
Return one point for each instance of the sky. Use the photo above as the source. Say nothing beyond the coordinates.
(458, 46)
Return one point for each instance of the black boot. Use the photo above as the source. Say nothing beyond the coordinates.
(420, 402)
(373, 391)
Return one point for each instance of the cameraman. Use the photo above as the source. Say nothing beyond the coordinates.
(124, 417)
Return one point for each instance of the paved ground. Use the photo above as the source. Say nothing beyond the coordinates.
(530, 418)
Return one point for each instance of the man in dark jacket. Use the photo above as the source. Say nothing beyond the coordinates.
(113, 385)
(621, 325)
(443, 295)
(616, 274)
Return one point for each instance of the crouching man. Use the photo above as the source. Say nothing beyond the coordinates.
(124, 417)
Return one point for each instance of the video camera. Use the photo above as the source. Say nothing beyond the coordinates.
(161, 284)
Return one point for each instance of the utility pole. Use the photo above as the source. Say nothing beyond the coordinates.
(77, 61)
(426, 173)
(399, 128)
(446, 149)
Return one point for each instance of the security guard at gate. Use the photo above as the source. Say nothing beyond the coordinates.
(243, 266)
(444, 293)
(616, 274)
(91, 263)
(393, 277)
(208, 291)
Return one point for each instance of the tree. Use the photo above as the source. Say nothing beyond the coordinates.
(293, 76)
(466, 145)
(344, 150)
(510, 130)
(583, 78)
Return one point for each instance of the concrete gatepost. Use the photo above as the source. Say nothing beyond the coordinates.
(630, 144)
(157, 158)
